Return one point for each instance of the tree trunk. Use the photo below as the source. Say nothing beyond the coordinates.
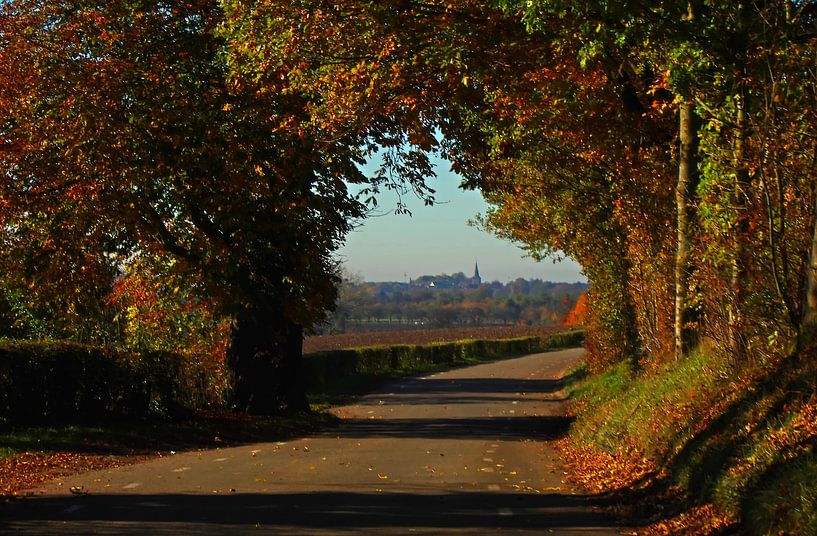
(684, 202)
(740, 202)
(264, 357)
(810, 305)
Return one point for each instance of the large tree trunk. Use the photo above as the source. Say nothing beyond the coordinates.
(264, 356)
(684, 201)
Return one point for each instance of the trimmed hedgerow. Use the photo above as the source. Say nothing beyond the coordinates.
(333, 365)
(55, 382)
(61, 382)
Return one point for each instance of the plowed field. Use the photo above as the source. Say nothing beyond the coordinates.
(424, 336)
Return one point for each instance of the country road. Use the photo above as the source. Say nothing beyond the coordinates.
(460, 452)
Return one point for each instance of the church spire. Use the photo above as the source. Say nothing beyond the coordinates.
(476, 280)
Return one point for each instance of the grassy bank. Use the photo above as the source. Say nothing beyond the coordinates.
(738, 438)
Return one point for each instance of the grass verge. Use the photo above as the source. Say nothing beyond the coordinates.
(705, 432)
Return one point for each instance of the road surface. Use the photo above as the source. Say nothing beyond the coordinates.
(460, 452)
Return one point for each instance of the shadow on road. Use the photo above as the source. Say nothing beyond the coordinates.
(475, 428)
(429, 386)
(205, 514)
(463, 391)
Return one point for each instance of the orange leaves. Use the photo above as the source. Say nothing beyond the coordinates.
(601, 472)
(577, 315)
(627, 472)
(702, 520)
(25, 471)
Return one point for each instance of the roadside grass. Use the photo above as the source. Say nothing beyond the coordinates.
(739, 437)
(199, 430)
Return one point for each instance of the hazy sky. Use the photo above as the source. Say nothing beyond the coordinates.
(436, 240)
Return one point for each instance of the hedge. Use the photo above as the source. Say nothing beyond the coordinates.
(326, 366)
(44, 382)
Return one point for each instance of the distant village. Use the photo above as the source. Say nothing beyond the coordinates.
(452, 300)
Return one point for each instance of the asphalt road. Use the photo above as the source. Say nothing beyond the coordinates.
(465, 451)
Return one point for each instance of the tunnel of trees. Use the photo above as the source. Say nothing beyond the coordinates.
(177, 173)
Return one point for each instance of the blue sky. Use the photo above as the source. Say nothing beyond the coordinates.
(438, 239)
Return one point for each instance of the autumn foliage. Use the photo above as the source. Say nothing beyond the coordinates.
(578, 315)
(179, 173)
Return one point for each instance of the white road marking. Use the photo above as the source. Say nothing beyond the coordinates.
(181, 469)
(132, 485)
(219, 460)
(505, 512)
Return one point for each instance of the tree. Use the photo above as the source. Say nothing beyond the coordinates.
(733, 65)
(119, 124)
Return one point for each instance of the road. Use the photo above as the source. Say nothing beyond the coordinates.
(465, 451)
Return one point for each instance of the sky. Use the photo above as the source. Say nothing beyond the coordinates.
(438, 240)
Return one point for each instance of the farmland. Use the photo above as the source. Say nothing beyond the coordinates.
(425, 336)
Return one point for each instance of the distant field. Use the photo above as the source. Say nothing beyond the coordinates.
(425, 336)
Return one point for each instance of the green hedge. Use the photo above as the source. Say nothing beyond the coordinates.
(60, 382)
(327, 366)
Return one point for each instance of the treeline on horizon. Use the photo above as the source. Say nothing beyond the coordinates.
(453, 301)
